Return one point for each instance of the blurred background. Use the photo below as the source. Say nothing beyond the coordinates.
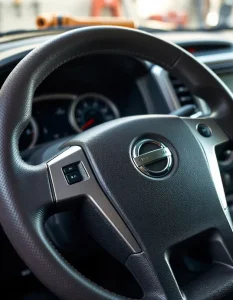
(165, 14)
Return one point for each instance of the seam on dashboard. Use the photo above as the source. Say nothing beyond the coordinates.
(150, 58)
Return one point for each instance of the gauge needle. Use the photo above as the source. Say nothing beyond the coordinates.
(88, 123)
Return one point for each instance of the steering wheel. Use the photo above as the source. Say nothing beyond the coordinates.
(153, 179)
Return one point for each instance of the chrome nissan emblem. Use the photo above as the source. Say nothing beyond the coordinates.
(152, 158)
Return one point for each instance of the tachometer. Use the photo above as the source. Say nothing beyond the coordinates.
(90, 110)
(29, 136)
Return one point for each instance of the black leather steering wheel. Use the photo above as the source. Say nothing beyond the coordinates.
(147, 215)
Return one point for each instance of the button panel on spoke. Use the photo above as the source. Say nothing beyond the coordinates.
(74, 173)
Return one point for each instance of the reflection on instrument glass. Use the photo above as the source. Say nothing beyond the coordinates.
(90, 110)
(29, 136)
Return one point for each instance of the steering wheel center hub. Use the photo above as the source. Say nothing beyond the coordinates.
(152, 158)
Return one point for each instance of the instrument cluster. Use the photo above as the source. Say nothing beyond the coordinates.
(59, 115)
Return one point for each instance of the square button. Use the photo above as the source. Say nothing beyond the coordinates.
(70, 168)
(73, 177)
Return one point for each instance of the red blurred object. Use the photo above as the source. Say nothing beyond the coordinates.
(113, 5)
(191, 50)
(88, 124)
(180, 19)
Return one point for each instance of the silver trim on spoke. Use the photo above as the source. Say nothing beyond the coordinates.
(89, 188)
(209, 144)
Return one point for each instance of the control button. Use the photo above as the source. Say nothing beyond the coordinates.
(204, 130)
(74, 177)
(70, 168)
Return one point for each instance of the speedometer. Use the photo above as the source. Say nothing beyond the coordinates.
(90, 110)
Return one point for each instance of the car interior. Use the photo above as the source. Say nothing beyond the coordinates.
(116, 164)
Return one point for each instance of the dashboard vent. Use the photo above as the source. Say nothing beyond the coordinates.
(183, 94)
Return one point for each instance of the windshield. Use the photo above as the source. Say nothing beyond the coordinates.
(157, 14)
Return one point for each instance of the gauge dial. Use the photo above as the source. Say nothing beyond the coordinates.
(90, 110)
(29, 136)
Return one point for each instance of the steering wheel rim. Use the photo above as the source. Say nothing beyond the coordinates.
(26, 193)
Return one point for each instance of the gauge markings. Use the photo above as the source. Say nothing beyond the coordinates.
(90, 110)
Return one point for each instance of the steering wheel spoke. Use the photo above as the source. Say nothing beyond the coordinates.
(72, 180)
(211, 136)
